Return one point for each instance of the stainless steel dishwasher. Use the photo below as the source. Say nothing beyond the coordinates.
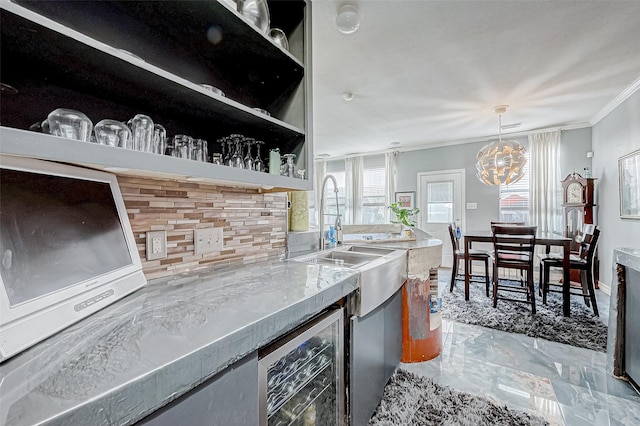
(301, 377)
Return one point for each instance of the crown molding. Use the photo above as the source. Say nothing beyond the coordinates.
(623, 96)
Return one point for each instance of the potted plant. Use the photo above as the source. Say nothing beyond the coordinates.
(404, 216)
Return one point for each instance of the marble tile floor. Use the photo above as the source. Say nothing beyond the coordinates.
(566, 385)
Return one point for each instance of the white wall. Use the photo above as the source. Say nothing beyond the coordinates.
(462, 156)
(573, 156)
(615, 135)
(573, 151)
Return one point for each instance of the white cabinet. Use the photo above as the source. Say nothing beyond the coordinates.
(115, 59)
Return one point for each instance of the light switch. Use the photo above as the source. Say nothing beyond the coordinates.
(472, 206)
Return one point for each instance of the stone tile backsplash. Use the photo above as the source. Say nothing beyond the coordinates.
(254, 225)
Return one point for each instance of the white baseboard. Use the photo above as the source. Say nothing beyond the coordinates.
(604, 287)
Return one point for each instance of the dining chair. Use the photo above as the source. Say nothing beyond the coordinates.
(494, 223)
(583, 261)
(474, 255)
(513, 248)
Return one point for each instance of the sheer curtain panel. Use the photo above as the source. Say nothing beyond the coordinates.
(544, 208)
(391, 166)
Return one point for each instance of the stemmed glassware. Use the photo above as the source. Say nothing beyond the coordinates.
(258, 164)
(248, 161)
(223, 150)
(236, 159)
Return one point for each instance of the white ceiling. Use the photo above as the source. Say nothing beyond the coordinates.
(429, 73)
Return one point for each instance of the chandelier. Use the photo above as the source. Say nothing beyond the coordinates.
(501, 162)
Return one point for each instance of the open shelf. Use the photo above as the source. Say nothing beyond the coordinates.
(69, 55)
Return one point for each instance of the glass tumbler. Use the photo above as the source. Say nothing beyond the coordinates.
(159, 144)
(112, 133)
(142, 129)
(279, 37)
(182, 146)
(70, 124)
(216, 158)
(199, 150)
(288, 167)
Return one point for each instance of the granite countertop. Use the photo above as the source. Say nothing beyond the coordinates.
(629, 257)
(125, 361)
(422, 240)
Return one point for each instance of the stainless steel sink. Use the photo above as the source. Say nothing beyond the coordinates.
(371, 250)
(349, 258)
(382, 271)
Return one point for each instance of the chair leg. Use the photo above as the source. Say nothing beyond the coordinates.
(495, 287)
(531, 291)
(454, 273)
(592, 292)
(486, 273)
(545, 282)
(585, 287)
(540, 280)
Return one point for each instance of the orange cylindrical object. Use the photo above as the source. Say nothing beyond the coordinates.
(419, 341)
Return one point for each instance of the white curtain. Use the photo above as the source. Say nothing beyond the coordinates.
(354, 170)
(544, 207)
(391, 167)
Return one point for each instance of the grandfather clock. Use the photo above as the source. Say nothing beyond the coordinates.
(578, 203)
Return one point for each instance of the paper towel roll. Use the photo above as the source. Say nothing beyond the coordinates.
(299, 212)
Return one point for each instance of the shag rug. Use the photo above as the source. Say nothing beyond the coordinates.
(582, 329)
(412, 400)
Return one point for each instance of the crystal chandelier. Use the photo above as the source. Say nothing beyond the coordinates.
(501, 162)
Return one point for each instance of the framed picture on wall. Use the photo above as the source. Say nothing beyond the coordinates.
(629, 175)
(406, 200)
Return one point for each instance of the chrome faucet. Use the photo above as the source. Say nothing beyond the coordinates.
(338, 224)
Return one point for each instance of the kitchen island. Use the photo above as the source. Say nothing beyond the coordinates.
(148, 349)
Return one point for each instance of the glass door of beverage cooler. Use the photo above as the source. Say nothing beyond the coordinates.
(301, 376)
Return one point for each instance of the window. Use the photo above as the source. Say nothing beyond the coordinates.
(514, 198)
(373, 190)
(369, 206)
(440, 202)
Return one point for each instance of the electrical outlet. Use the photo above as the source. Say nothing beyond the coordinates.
(156, 245)
(208, 240)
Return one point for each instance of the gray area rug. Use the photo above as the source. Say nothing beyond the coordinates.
(413, 400)
(582, 329)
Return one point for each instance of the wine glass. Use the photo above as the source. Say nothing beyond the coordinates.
(248, 161)
(236, 159)
(258, 164)
(223, 150)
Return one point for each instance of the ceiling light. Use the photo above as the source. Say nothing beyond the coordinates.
(501, 162)
(348, 19)
(394, 143)
(348, 96)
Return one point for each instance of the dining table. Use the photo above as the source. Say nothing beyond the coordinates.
(542, 239)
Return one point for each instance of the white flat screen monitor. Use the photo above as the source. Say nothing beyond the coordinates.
(66, 249)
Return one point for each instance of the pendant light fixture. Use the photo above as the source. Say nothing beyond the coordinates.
(501, 162)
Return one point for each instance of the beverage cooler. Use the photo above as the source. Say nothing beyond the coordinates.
(301, 376)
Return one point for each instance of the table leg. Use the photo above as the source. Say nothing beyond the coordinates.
(467, 267)
(566, 279)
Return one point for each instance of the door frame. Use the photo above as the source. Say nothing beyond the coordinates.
(419, 194)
